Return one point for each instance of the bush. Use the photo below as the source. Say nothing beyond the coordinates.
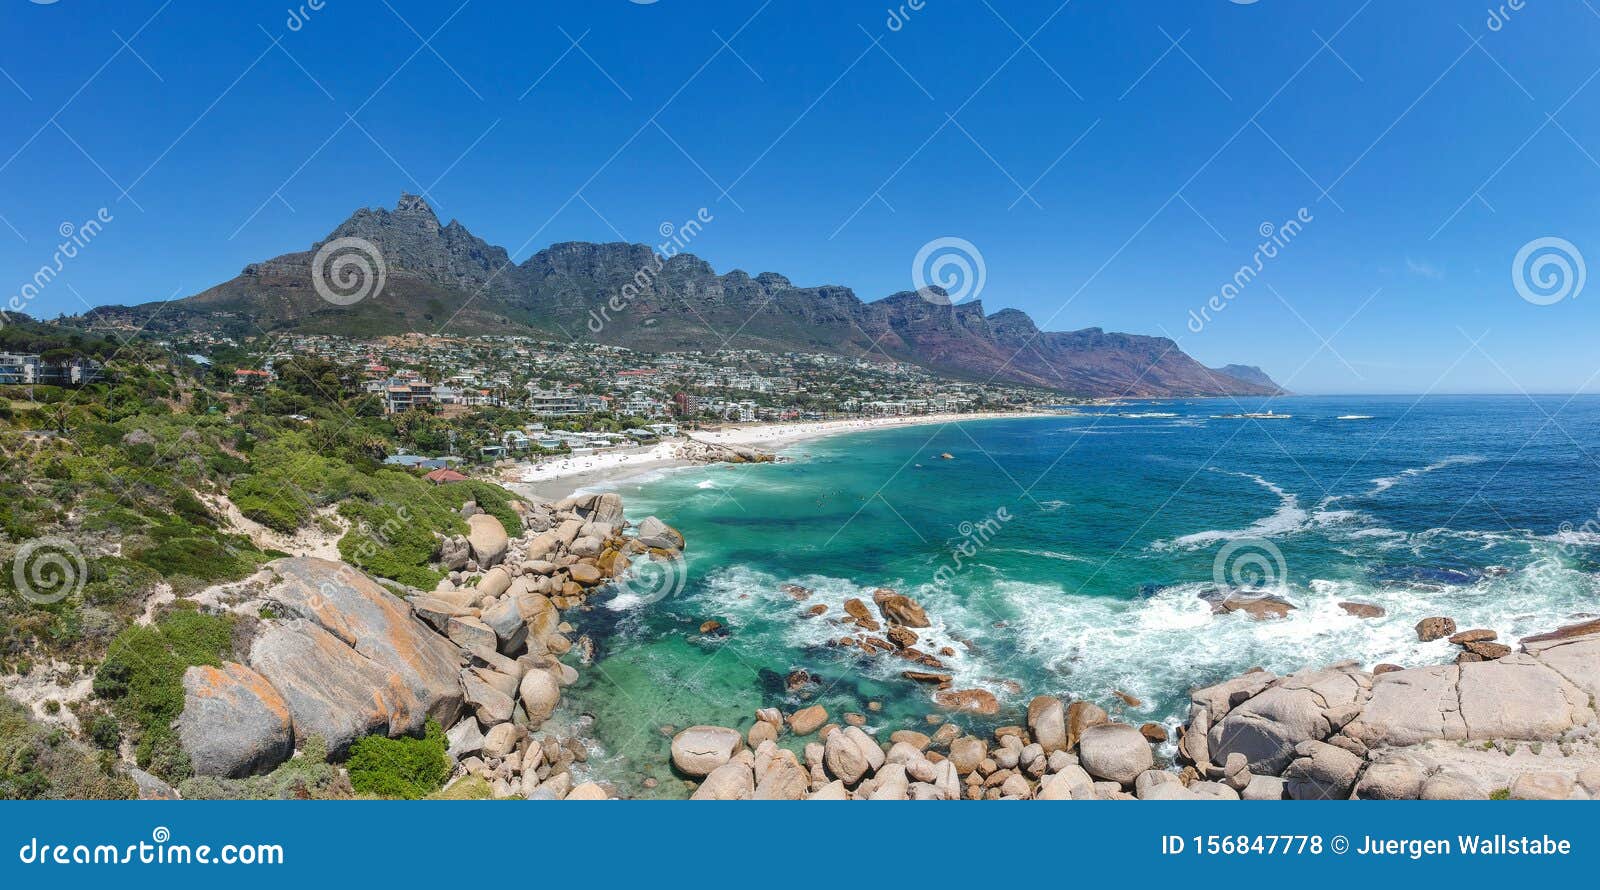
(185, 551)
(142, 677)
(306, 777)
(274, 502)
(406, 768)
(39, 762)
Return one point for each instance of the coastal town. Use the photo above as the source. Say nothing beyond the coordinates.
(584, 398)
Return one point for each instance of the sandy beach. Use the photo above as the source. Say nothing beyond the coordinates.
(556, 478)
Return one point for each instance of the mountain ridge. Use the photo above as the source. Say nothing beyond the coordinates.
(438, 276)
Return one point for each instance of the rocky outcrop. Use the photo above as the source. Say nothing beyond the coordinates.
(379, 627)
(1451, 731)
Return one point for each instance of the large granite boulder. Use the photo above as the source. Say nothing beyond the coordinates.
(851, 754)
(1300, 707)
(380, 628)
(488, 539)
(1115, 752)
(1047, 723)
(233, 723)
(657, 534)
(332, 691)
(1321, 772)
(698, 750)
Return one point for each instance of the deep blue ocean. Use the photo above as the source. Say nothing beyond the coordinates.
(1073, 555)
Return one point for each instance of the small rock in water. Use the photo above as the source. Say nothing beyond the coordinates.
(1430, 629)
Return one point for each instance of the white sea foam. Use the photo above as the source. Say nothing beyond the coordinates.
(1169, 642)
(1384, 483)
(1289, 517)
(1354, 417)
(1045, 554)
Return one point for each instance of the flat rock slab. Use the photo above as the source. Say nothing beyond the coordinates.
(332, 690)
(376, 624)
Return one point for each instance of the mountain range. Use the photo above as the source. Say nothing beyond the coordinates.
(443, 278)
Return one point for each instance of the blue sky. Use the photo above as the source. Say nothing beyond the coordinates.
(1112, 163)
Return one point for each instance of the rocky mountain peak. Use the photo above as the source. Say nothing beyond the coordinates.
(414, 204)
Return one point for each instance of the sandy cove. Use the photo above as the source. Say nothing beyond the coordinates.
(557, 477)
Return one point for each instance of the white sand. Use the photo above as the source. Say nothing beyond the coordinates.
(776, 435)
(555, 478)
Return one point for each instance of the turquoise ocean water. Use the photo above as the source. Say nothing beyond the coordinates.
(1071, 555)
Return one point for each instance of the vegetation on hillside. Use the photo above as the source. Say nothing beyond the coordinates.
(124, 482)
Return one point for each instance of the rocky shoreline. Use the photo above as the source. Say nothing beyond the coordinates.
(488, 653)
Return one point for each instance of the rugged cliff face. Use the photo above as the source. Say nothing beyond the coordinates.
(443, 278)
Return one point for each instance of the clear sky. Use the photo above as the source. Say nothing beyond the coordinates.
(1113, 164)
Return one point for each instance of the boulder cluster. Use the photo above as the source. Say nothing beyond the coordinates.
(502, 608)
(343, 657)
(1497, 723)
(1064, 752)
(1517, 725)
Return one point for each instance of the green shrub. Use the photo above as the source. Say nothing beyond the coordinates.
(473, 787)
(181, 550)
(306, 777)
(270, 500)
(142, 677)
(42, 762)
(406, 768)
